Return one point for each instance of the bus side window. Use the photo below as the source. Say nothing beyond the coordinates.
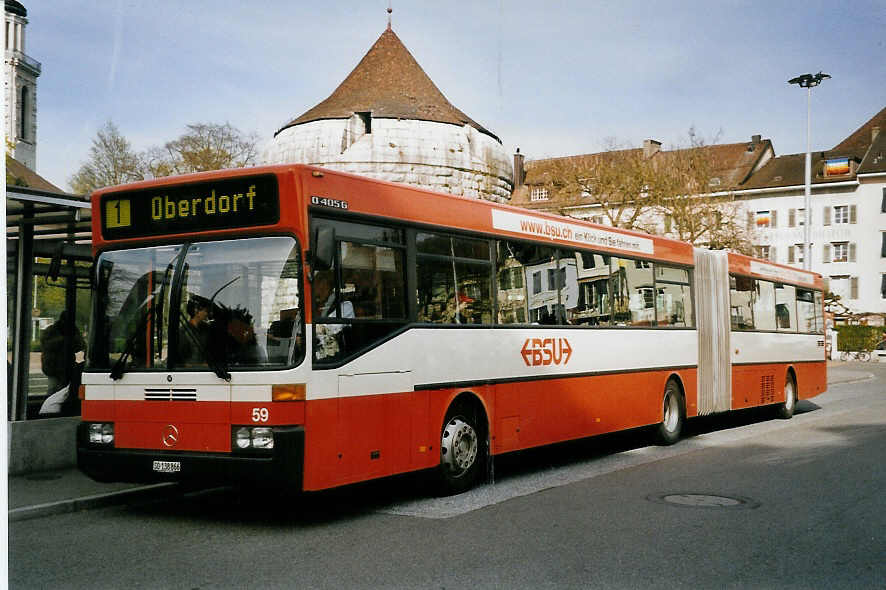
(786, 308)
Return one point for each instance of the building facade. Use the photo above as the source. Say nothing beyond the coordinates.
(848, 202)
(848, 228)
(388, 120)
(20, 87)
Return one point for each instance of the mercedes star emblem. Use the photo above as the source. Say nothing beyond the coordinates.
(170, 436)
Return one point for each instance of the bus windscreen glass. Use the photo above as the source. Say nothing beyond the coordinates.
(220, 306)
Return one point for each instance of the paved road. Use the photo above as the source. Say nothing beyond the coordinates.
(742, 502)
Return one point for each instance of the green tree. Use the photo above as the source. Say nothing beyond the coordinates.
(111, 161)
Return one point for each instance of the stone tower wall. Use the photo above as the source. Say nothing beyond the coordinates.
(454, 159)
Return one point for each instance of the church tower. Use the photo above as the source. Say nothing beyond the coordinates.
(20, 86)
(388, 120)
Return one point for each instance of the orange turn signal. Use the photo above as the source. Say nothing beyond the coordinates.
(288, 393)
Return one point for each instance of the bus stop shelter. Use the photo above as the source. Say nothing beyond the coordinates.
(48, 266)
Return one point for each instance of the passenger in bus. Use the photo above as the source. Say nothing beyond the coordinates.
(245, 349)
(194, 339)
(329, 338)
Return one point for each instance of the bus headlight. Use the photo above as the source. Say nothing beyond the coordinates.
(101, 433)
(260, 438)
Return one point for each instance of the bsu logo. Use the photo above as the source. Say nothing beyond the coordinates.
(547, 351)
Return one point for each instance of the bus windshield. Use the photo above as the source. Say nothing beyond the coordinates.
(219, 306)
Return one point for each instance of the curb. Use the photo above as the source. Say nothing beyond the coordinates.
(89, 502)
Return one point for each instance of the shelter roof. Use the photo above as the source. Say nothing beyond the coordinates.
(17, 174)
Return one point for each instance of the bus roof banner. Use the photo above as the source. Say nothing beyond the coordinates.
(562, 230)
(788, 275)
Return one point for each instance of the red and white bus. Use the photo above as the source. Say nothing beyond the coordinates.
(293, 325)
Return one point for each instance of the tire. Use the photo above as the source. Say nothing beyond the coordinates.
(844, 356)
(673, 415)
(464, 450)
(785, 410)
(864, 356)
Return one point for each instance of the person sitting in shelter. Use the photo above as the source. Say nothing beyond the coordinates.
(54, 363)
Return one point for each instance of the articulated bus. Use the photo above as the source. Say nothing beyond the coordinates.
(295, 326)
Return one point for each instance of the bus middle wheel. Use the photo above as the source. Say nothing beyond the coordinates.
(463, 450)
(673, 414)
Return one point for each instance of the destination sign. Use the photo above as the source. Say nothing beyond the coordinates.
(220, 204)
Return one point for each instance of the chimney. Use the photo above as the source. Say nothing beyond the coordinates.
(875, 131)
(651, 147)
(519, 171)
(755, 139)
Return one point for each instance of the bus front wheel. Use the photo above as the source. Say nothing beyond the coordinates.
(463, 450)
(668, 430)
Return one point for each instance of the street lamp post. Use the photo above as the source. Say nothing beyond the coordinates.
(808, 81)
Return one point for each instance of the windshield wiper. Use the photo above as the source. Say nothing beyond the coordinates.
(150, 309)
(120, 366)
(218, 366)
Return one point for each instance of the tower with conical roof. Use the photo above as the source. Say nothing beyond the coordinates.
(388, 120)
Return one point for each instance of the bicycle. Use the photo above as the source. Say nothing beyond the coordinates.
(855, 355)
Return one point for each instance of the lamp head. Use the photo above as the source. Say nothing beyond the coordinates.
(809, 80)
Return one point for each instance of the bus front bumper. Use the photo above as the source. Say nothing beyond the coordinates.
(282, 467)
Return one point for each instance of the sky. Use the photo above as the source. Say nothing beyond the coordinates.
(553, 78)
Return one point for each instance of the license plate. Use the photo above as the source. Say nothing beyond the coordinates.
(167, 466)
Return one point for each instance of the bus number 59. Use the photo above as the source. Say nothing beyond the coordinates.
(260, 414)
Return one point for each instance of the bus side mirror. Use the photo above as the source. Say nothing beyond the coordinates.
(323, 252)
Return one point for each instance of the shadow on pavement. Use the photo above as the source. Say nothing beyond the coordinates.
(278, 508)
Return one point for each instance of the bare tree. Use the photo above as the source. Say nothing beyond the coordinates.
(111, 161)
(204, 146)
(616, 180)
(685, 194)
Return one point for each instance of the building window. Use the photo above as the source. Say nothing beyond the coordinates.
(883, 246)
(536, 282)
(883, 286)
(840, 286)
(795, 254)
(883, 202)
(836, 167)
(366, 118)
(763, 219)
(761, 252)
(841, 214)
(840, 251)
(538, 194)
(23, 124)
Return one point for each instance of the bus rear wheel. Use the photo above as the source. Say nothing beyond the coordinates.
(673, 415)
(463, 450)
(785, 410)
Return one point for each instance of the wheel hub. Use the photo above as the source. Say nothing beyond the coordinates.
(459, 446)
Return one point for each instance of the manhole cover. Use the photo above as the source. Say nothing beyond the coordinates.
(692, 500)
